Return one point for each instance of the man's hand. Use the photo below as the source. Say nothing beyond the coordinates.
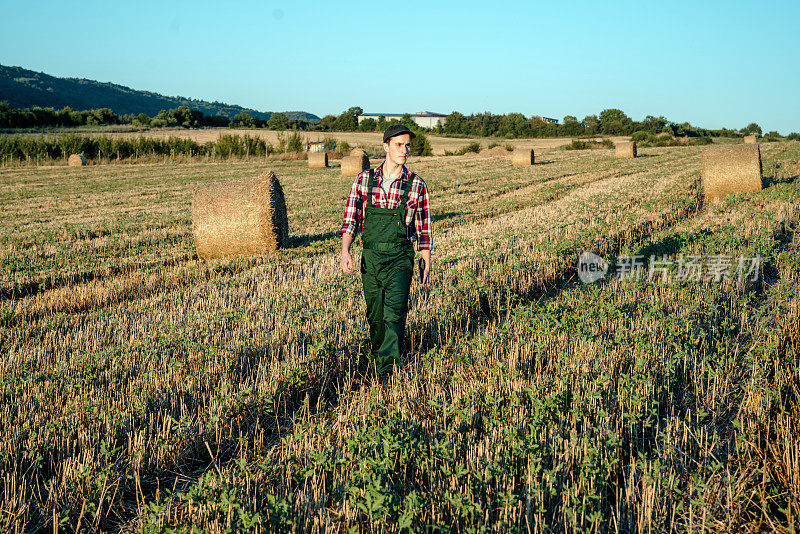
(347, 260)
(426, 273)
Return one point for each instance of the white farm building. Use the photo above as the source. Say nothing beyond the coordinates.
(425, 119)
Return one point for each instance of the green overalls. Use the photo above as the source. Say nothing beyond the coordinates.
(387, 264)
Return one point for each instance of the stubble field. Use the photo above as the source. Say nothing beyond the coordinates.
(144, 390)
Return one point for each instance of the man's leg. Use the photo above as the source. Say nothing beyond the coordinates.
(397, 284)
(373, 294)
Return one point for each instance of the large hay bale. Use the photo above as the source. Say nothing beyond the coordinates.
(240, 218)
(750, 139)
(625, 150)
(731, 169)
(522, 157)
(76, 160)
(358, 152)
(352, 165)
(317, 160)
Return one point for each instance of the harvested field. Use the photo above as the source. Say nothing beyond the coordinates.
(144, 390)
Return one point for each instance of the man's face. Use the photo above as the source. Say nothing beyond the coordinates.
(397, 148)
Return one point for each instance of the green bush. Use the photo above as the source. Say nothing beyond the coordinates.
(420, 146)
(472, 147)
(368, 125)
(577, 144)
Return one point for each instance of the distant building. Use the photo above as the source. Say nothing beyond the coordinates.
(316, 146)
(548, 120)
(425, 119)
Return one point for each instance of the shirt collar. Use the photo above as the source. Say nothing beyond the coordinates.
(379, 173)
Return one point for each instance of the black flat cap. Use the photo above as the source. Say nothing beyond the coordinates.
(397, 129)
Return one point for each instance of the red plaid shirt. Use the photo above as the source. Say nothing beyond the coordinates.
(417, 206)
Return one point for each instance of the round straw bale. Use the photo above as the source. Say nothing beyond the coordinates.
(239, 218)
(357, 152)
(494, 151)
(731, 169)
(625, 150)
(317, 160)
(522, 157)
(352, 165)
(76, 160)
(750, 139)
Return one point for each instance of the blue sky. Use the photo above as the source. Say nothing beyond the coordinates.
(713, 64)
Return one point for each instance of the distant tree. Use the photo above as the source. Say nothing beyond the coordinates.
(614, 122)
(382, 124)
(186, 117)
(348, 121)
(408, 122)
(278, 121)
(591, 124)
(243, 120)
(163, 119)
(571, 126)
(368, 125)
(420, 146)
(653, 124)
(794, 136)
(326, 123)
(456, 124)
(751, 129)
(142, 119)
(100, 116)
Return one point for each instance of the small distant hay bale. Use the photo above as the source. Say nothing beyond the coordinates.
(731, 169)
(352, 165)
(494, 151)
(239, 218)
(358, 152)
(76, 160)
(317, 160)
(626, 150)
(750, 140)
(522, 157)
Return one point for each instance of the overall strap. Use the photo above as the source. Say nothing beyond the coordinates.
(406, 190)
(369, 190)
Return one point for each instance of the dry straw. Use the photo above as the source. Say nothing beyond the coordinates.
(731, 169)
(240, 218)
(750, 140)
(357, 152)
(494, 151)
(626, 150)
(317, 160)
(76, 160)
(352, 165)
(522, 157)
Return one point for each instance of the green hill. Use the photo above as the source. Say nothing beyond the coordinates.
(24, 88)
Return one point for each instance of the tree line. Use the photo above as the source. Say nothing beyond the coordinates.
(512, 125)
(39, 149)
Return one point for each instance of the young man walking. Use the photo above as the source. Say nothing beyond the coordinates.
(390, 205)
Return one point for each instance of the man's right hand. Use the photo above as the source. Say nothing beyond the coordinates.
(347, 262)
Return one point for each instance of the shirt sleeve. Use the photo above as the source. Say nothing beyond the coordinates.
(353, 209)
(422, 219)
